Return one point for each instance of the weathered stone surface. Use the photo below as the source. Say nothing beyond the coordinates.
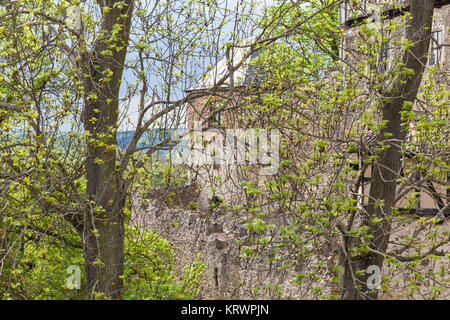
(229, 276)
(213, 228)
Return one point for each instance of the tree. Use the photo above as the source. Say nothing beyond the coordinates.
(64, 64)
(328, 154)
(79, 75)
(398, 96)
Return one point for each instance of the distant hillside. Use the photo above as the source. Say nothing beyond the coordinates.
(149, 138)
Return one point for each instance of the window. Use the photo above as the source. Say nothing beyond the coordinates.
(384, 57)
(382, 63)
(436, 48)
(217, 118)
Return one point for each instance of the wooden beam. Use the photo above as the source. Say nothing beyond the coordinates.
(424, 211)
(389, 13)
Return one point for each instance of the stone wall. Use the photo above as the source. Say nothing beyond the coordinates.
(220, 238)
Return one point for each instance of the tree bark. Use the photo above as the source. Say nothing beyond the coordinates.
(387, 168)
(103, 227)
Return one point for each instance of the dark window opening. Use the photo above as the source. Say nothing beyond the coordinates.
(384, 57)
(436, 48)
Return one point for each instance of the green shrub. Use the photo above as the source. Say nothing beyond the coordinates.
(148, 266)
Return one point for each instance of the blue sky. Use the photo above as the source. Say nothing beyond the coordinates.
(132, 112)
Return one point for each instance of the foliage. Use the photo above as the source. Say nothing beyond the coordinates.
(60, 192)
(40, 270)
(148, 269)
(322, 189)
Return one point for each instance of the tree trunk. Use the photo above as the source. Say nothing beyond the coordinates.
(103, 232)
(387, 169)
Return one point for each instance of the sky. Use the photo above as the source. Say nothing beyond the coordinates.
(132, 110)
(129, 110)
